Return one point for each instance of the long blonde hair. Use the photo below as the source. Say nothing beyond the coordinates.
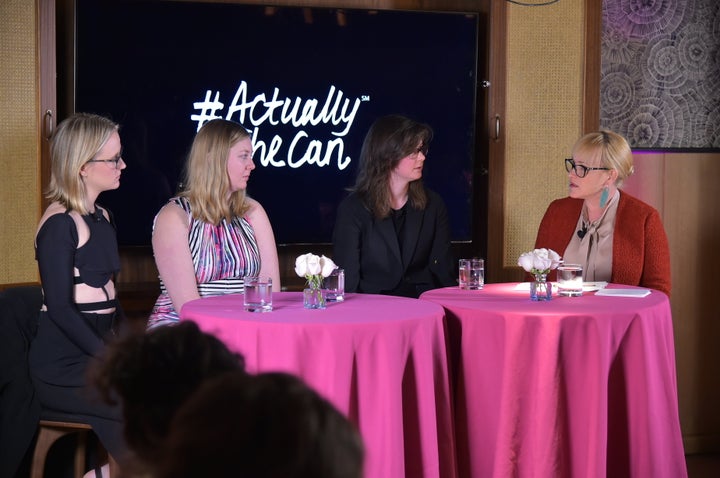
(77, 140)
(207, 184)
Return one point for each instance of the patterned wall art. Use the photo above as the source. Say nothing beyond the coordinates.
(660, 84)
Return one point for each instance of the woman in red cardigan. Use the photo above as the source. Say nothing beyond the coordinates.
(616, 237)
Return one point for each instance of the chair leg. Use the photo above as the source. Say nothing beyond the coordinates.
(46, 438)
(114, 467)
(80, 452)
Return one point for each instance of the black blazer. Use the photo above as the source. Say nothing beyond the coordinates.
(367, 248)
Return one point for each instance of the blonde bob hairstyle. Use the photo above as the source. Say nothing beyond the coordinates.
(77, 140)
(612, 149)
(207, 184)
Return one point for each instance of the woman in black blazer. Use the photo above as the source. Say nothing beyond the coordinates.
(392, 235)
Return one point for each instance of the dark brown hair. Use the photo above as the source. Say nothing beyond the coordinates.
(389, 139)
(269, 425)
(152, 373)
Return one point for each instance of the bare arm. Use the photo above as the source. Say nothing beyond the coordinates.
(172, 255)
(269, 264)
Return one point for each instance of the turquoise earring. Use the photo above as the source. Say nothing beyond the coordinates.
(604, 197)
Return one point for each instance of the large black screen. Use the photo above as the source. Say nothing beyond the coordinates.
(307, 82)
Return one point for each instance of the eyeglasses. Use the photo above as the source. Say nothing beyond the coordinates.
(580, 170)
(116, 161)
(422, 149)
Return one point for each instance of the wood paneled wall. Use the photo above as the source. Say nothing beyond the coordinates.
(19, 151)
(682, 186)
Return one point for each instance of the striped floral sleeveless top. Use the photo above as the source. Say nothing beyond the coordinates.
(222, 256)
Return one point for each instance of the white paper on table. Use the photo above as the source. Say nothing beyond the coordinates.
(587, 286)
(593, 286)
(624, 292)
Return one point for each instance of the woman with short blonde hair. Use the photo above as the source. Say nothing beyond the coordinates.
(614, 236)
(78, 259)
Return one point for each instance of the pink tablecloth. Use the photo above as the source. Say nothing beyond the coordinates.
(380, 360)
(573, 387)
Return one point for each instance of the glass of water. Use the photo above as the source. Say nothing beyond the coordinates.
(335, 285)
(471, 274)
(570, 280)
(257, 296)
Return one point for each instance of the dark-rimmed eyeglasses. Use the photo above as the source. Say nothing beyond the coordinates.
(422, 149)
(115, 161)
(580, 170)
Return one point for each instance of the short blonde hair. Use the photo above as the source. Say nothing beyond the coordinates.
(77, 140)
(613, 150)
(207, 183)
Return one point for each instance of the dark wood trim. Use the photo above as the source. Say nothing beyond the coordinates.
(424, 5)
(47, 111)
(592, 66)
(494, 266)
(17, 284)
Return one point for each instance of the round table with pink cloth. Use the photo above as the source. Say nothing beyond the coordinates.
(572, 387)
(380, 360)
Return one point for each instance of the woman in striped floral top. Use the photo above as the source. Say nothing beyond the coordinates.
(212, 234)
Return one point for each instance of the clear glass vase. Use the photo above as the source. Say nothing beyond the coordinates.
(314, 298)
(540, 288)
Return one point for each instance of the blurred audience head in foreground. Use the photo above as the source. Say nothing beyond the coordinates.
(269, 425)
(152, 374)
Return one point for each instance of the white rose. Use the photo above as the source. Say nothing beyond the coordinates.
(327, 266)
(313, 264)
(542, 261)
(301, 265)
(548, 258)
(539, 260)
(555, 258)
(526, 261)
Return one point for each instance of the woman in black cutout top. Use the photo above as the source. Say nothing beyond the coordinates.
(77, 254)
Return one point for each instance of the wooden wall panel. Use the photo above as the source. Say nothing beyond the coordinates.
(648, 180)
(682, 187)
(544, 101)
(692, 221)
(19, 155)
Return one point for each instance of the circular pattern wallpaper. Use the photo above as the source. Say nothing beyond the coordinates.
(660, 84)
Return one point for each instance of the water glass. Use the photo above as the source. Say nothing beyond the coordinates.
(471, 274)
(570, 280)
(334, 284)
(258, 294)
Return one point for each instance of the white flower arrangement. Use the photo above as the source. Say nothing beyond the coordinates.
(313, 268)
(539, 261)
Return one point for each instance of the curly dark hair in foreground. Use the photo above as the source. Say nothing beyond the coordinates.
(152, 374)
(270, 425)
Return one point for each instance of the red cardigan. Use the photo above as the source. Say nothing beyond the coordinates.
(640, 255)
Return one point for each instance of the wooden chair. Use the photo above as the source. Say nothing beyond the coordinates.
(50, 431)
